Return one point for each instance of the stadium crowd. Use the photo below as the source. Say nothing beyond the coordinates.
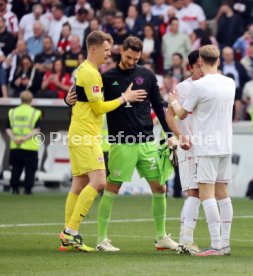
(43, 42)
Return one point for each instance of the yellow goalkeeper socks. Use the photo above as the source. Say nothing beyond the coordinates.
(83, 205)
(70, 206)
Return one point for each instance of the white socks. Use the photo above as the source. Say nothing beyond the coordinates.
(213, 220)
(191, 213)
(182, 217)
(226, 215)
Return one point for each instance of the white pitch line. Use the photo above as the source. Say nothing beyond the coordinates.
(113, 236)
(94, 222)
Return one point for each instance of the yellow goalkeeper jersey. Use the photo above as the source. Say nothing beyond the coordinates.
(84, 122)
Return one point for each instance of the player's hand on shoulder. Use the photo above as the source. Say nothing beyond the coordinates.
(138, 95)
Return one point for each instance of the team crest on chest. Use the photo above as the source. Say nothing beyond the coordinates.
(139, 80)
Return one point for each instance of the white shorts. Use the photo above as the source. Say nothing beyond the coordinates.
(213, 169)
(186, 166)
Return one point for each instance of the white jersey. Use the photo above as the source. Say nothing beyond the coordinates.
(185, 126)
(192, 15)
(211, 100)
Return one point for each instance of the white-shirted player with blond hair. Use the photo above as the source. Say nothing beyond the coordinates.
(211, 100)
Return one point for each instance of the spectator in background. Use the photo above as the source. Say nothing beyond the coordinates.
(80, 59)
(147, 16)
(242, 44)
(35, 42)
(177, 70)
(70, 58)
(183, 27)
(247, 61)
(10, 64)
(44, 61)
(25, 77)
(55, 83)
(247, 98)
(151, 44)
(10, 18)
(204, 38)
(107, 6)
(94, 25)
(7, 40)
(79, 23)
(23, 122)
(80, 4)
(120, 33)
(7, 45)
(231, 67)
(192, 14)
(210, 8)
(134, 25)
(108, 22)
(64, 41)
(22, 7)
(160, 9)
(55, 25)
(229, 26)
(26, 22)
(174, 42)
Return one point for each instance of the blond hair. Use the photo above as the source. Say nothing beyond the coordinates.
(26, 97)
(209, 54)
(97, 38)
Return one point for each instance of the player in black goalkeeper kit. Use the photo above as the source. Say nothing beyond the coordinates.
(132, 142)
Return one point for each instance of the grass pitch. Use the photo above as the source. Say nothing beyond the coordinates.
(29, 243)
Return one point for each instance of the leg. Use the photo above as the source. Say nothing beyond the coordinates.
(207, 197)
(226, 214)
(104, 215)
(159, 206)
(16, 163)
(31, 165)
(86, 198)
(78, 183)
(191, 213)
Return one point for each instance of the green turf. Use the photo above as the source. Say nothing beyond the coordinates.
(33, 249)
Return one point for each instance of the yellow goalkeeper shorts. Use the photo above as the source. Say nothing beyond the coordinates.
(85, 159)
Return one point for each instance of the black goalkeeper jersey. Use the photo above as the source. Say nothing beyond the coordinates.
(134, 123)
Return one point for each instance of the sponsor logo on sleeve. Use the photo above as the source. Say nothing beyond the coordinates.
(96, 89)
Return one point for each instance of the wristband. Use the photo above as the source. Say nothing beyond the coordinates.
(124, 100)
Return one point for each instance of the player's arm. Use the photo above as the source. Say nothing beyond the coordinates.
(177, 108)
(100, 107)
(171, 121)
(158, 105)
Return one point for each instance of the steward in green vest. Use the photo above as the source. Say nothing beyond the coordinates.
(24, 122)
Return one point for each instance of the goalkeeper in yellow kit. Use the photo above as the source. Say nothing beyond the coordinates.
(86, 156)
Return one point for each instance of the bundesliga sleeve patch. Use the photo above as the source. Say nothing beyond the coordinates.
(96, 89)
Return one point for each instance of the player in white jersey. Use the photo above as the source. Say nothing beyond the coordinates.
(211, 100)
(183, 130)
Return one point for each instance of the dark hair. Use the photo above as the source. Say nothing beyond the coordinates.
(133, 43)
(193, 57)
(63, 70)
(179, 55)
(97, 38)
(66, 24)
(172, 19)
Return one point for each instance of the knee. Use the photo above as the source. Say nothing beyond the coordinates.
(101, 186)
(159, 189)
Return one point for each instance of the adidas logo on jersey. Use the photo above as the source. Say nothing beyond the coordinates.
(115, 83)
